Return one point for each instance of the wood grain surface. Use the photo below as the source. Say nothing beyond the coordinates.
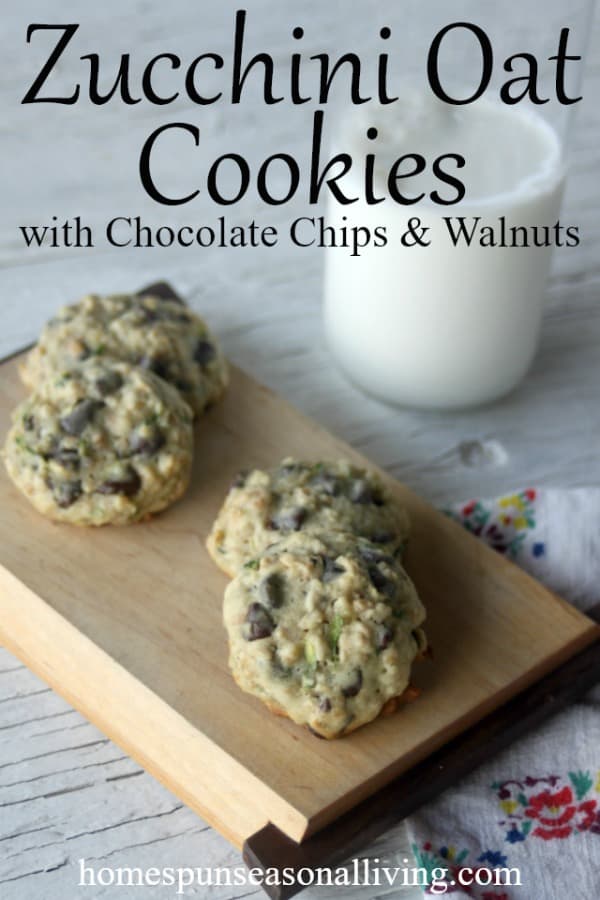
(126, 624)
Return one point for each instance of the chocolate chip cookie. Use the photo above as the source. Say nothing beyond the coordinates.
(324, 628)
(161, 335)
(261, 507)
(103, 442)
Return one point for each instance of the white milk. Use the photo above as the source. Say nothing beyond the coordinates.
(444, 325)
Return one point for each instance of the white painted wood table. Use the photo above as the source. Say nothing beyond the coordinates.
(66, 792)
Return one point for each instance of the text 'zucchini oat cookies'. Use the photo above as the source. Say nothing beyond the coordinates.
(105, 442)
(261, 507)
(324, 629)
(161, 335)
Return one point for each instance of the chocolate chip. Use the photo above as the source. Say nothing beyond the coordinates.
(325, 704)
(109, 383)
(326, 483)
(128, 484)
(360, 491)
(67, 457)
(384, 635)
(272, 590)
(288, 519)
(204, 351)
(382, 537)
(354, 686)
(147, 444)
(80, 416)
(259, 622)
(154, 364)
(381, 582)
(84, 353)
(161, 290)
(66, 493)
(373, 555)
(331, 569)
(28, 423)
(151, 314)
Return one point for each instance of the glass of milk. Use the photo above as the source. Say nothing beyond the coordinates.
(447, 325)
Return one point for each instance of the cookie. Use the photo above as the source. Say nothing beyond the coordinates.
(323, 628)
(261, 507)
(161, 335)
(104, 442)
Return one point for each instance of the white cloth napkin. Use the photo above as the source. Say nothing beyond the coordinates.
(536, 806)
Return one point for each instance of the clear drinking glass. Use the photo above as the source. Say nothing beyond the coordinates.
(445, 325)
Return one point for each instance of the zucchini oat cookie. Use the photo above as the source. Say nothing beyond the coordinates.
(324, 629)
(104, 442)
(261, 507)
(158, 334)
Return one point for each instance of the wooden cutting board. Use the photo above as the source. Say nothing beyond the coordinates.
(125, 623)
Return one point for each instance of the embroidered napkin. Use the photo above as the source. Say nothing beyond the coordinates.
(536, 806)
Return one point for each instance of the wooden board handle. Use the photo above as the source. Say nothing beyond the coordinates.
(270, 848)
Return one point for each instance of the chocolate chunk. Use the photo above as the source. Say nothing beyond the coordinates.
(325, 704)
(147, 444)
(150, 314)
(154, 364)
(272, 590)
(109, 383)
(381, 582)
(259, 622)
(204, 351)
(67, 457)
(331, 569)
(66, 493)
(326, 483)
(362, 492)
(382, 537)
(128, 484)
(384, 635)
(80, 416)
(290, 519)
(162, 290)
(354, 686)
(28, 423)
(373, 555)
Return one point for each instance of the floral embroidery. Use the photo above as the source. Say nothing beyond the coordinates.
(550, 808)
(503, 524)
(452, 861)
